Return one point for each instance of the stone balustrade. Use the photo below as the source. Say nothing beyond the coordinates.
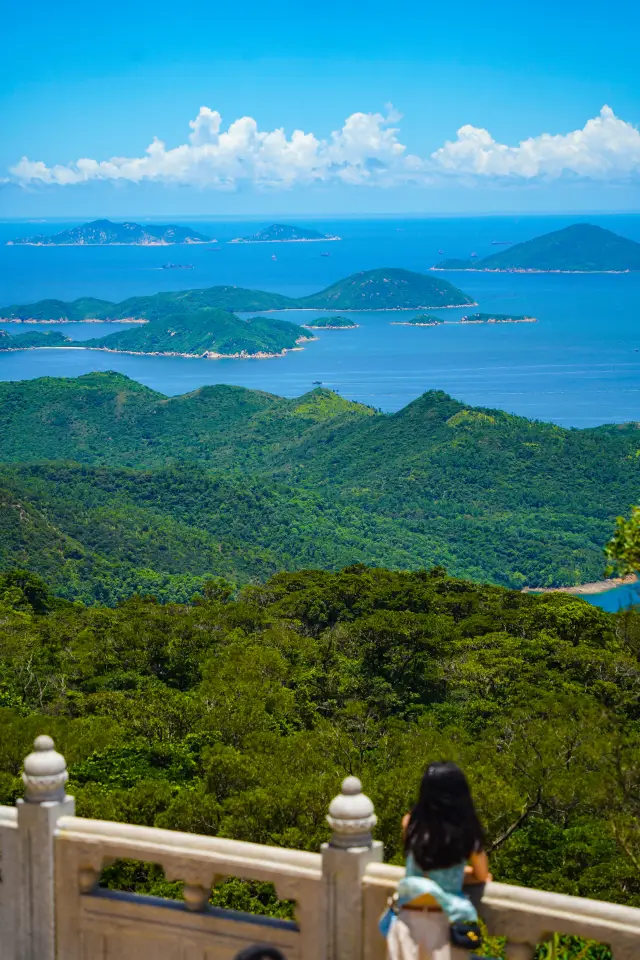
(52, 907)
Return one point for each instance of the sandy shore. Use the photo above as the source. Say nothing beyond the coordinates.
(587, 589)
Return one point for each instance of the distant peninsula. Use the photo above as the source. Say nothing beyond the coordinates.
(580, 248)
(103, 233)
(330, 323)
(210, 332)
(383, 289)
(282, 233)
(420, 320)
(33, 340)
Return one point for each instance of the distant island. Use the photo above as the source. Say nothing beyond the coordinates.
(331, 323)
(420, 320)
(210, 332)
(105, 233)
(383, 289)
(496, 318)
(177, 266)
(387, 288)
(580, 248)
(282, 233)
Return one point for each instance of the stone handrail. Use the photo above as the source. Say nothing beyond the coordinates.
(52, 907)
(524, 916)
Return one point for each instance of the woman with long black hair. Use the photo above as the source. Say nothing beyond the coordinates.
(444, 850)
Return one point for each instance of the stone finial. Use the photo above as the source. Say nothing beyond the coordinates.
(45, 773)
(351, 816)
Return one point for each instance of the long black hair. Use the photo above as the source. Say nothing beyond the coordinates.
(443, 828)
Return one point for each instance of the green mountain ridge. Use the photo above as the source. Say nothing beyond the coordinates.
(312, 481)
(579, 248)
(370, 290)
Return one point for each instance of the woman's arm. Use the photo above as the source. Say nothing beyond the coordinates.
(478, 869)
(405, 824)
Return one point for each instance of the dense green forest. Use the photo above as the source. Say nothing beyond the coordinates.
(238, 716)
(579, 248)
(108, 488)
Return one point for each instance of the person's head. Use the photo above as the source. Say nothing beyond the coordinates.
(443, 827)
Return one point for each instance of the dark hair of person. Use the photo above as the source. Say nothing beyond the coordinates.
(443, 828)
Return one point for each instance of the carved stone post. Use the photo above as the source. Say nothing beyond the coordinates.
(344, 860)
(45, 801)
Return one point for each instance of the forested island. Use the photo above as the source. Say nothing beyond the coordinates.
(331, 323)
(209, 332)
(105, 233)
(579, 248)
(152, 494)
(283, 233)
(382, 289)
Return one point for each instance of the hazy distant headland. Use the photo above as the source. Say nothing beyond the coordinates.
(579, 248)
(283, 233)
(102, 233)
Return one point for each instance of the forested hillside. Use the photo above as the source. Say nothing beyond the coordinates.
(238, 717)
(144, 492)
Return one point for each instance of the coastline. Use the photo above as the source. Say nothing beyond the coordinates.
(310, 326)
(116, 243)
(587, 589)
(579, 273)
(449, 306)
(209, 355)
(299, 240)
(88, 320)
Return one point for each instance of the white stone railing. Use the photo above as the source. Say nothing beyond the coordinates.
(52, 907)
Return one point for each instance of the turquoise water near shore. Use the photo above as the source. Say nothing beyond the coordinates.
(578, 366)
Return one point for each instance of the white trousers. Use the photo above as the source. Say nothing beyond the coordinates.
(422, 935)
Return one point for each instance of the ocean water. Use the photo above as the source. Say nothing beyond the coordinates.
(578, 366)
(620, 598)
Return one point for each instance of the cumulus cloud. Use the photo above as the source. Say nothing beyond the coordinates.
(366, 150)
(606, 148)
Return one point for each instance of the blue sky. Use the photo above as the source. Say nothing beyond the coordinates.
(99, 83)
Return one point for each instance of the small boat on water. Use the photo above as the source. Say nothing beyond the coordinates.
(325, 254)
(440, 252)
(501, 243)
(177, 266)
(473, 255)
(273, 257)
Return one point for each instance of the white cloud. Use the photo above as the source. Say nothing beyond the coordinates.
(606, 148)
(365, 150)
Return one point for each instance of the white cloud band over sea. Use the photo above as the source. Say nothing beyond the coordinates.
(366, 150)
